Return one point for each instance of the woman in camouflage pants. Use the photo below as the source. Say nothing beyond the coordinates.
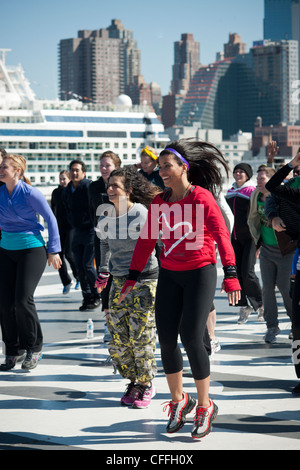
(132, 324)
(133, 332)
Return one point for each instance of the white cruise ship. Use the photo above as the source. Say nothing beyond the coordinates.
(49, 134)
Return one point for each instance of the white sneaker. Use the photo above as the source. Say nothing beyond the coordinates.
(203, 420)
(178, 411)
(244, 314)
(260, 314)
(215, 346)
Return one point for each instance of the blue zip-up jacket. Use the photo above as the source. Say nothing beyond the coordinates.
(18, 213)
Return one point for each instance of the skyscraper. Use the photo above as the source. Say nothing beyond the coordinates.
(99, 64)
(186, 62)
(229, 94)
(201, 103)
(275, 67)
(282, 21)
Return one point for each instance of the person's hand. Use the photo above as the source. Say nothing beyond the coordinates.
(101, 282)
(128, 286)
(234, 297)
(231, 286)
(278, 224)
(54, 260)
(272, 150)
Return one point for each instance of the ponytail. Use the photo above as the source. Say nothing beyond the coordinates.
(26, 180)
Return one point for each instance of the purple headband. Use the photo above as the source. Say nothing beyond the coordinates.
(179, 156)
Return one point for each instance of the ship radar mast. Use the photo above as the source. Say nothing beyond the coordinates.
(3, 54)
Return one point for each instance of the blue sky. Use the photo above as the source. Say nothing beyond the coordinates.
(33, 29)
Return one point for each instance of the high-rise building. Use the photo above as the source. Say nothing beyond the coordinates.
(186, 62)
(282, 20)
(234, 46)
(275, 68)
(229, 94)
(201, 98)
(98, 65)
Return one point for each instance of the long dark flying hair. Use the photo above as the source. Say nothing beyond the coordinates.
(136, 185)
(204, 160)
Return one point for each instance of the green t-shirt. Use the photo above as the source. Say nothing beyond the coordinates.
(267, 233)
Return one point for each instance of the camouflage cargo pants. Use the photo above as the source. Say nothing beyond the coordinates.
(132, 328)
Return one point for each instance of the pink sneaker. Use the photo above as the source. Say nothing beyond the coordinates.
(129, 395)
(144, 396)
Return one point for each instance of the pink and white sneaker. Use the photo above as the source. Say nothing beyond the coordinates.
(143, 396)
(129, 395)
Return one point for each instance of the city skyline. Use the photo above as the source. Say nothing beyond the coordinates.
(33, 29)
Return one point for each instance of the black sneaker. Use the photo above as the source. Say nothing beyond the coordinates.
(129, 395)
(31, 360)
(203, 420)
(94, 303)
(84, 306)
(178, 411)
(296, 390)
(10, 362)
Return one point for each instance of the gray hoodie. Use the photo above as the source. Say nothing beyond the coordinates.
(118, 236)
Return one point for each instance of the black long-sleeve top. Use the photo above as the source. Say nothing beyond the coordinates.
(291, 214)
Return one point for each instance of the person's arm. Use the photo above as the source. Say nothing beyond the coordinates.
(52, 204)
(271, 214)
(103, 276)
(143, 249)
(215, 224)
(92, 209)
(226, 212)
(104, 255)
(40, 205)
(270, 207)
(274, 185)
(272, 150)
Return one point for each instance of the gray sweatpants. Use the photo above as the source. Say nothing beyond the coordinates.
(275, 271)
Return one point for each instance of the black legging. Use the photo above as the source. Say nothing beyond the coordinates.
(296, 324)
(20, 272)
(183, 303)
(66, 237)
(245, 253)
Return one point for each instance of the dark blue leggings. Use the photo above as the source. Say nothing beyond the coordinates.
(183, 303)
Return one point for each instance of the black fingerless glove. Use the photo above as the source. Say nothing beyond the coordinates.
(133, 275)
(230, 272)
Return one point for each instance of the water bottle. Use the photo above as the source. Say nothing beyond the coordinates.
(90, 329)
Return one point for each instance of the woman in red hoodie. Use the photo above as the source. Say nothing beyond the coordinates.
(190, 222)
